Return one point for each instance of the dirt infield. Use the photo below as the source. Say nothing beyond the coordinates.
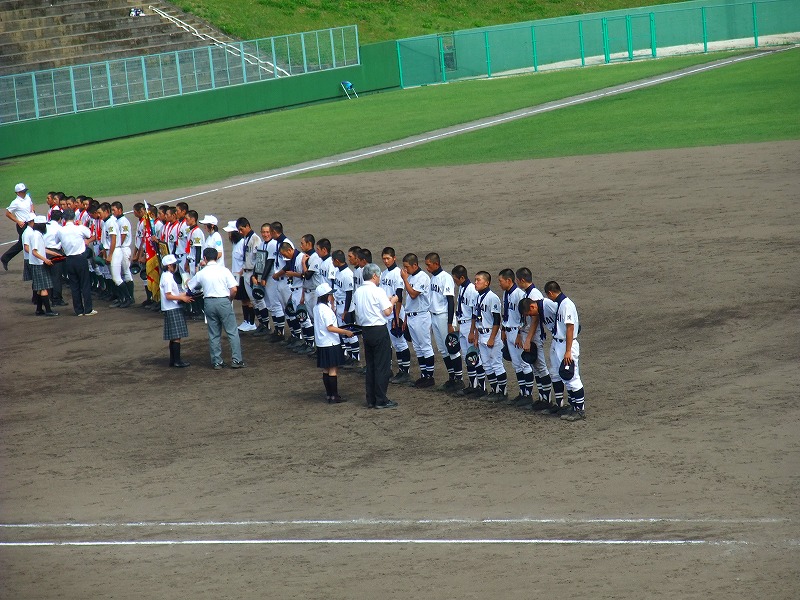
(682, 483)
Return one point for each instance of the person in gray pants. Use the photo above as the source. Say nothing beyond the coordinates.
(219, 288)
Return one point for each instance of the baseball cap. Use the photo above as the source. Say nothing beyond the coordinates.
(20, 187)
(169, 259)
(209, 220)
(323, 289)
(231, 226)
(40, 219)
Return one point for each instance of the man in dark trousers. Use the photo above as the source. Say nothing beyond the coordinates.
(372, 306)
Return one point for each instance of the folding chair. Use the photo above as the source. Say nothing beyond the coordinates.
(348, 89)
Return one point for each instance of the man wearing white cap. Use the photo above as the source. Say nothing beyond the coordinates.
(174, 321)
(18, 211)
(213, 239)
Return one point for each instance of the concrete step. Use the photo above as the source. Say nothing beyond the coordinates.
(27, 11)
(120, 53)
(90, 16)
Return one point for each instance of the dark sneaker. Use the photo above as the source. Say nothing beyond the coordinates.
(447, 385)
(237, 364)
(457, 386)
(275, 337)
(219, 366)
(479, 393)
(424, 382)
(295, 343)
(524, 402)
(336, 400)
(387, 404)
(400, 378)
(496, 397)
(261, 331)
(540, 405)
(466, 391)
(51, 313)
(575, 415)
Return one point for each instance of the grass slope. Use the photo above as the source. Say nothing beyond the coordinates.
(752, 101)
(380, 20)
(212, 152)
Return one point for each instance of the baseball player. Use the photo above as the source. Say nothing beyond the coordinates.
(512, 337)
(260, 276)
(112, 253)
(416, 284)
(249, 249)
(442, 309)
(310, 267)
(121, 273)
(465, 308)
(193, 250)
(534, 334)
(277, 285)
(392, 284)
(294, 274)
(485, 327)
(327, 272)
(352, 260)
(561, 316)
(343, 288)
(182, 228)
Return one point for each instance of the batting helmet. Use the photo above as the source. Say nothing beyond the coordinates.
(566, 371)
(135, 268)
(396, 331)
(529, 356)
(259, 292)
(506, 353)
(143, 275)
(301, 312)
(290, 310)
(472, 357)
(451, 343)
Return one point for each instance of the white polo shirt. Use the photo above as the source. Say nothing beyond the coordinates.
(168, 284)
(215, 280)
(72, 236)
(36, 243)
(51, 235)
(20, 207)
(370, 301)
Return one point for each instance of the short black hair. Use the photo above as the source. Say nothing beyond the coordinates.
(324, 244)
(388, 250)
(459, 271)
(364, 254)
(210, 254)
(411, 259)
(338, 255)
(552, 286)
(507, 274)
(484, 275)
(276, 226)
(434, 258)
(56, 215)
(524, 274)
(308, 239)
(117, 204)
(242, 222)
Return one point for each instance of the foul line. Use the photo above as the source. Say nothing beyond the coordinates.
(395, 522)
(415, 141)
(267, 542)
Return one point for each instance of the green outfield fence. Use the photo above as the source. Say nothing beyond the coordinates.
(593, 39)
(74, 89)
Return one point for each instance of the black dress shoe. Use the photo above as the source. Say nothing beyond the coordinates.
(51, 313)
(387, 404)
(336, 400)
(181, 365)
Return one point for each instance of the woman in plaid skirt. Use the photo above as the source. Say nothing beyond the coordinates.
(40, 275)
(174, 320)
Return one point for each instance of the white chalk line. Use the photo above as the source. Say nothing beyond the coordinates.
(482, 125)
(277, 542)
(394, 522)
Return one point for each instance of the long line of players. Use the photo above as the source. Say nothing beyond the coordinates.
(463, 317)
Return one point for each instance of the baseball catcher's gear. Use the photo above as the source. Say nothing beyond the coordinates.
(506, 353)
(259, 292)
(451, 343)
(529, 356)
(301, 312)
(472, 357)
(566, 371)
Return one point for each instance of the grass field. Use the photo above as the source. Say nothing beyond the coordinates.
(379, 20)
(752, 101)
(212, 152)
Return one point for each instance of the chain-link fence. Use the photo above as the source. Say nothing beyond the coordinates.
(595, 39)
(74, 89)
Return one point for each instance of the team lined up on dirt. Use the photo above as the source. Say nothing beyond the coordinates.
(278, 287)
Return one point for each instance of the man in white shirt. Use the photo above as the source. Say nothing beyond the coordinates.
(219, 288)
(53, 249)
(73, 238)
(372, 306)
(18, 211)
(121, 261)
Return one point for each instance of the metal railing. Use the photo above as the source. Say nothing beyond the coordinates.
(67, 90)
